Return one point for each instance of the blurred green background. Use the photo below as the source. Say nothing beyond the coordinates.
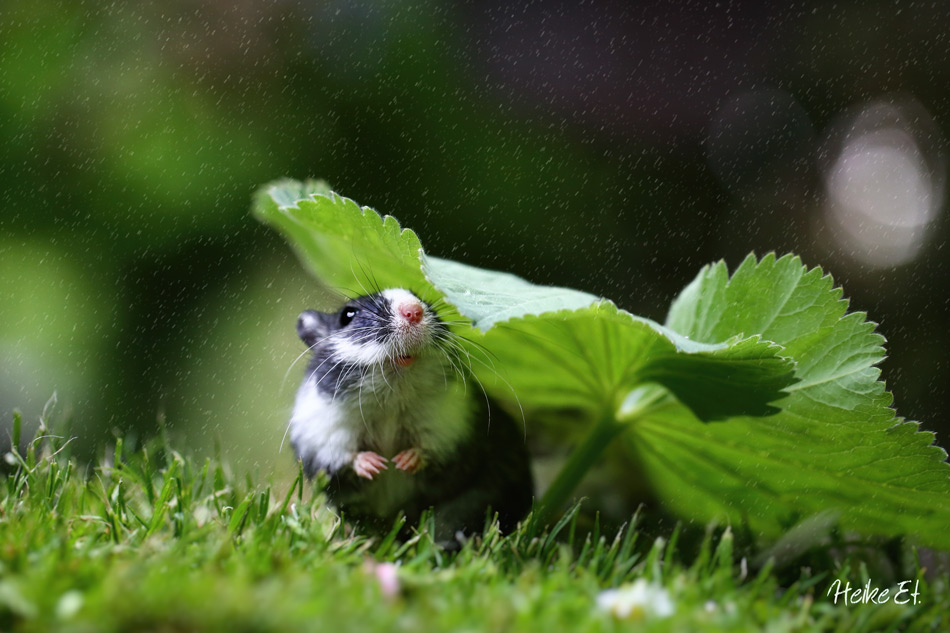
(613, 147)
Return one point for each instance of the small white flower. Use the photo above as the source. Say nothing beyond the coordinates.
(636, 601)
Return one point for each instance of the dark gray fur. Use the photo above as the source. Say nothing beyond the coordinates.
(371, 322)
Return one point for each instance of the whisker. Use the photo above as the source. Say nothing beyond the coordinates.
(284, 437)
(283, 381)
(368, 335)
(328, 372)
(477, 381)
(382, 372)
(350, 369)
(356, 277)
(359, 398)
(455, 340)
(458, 369)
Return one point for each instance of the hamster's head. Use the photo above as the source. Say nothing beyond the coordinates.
(392, 326)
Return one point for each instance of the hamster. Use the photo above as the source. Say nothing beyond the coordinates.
(386, 410)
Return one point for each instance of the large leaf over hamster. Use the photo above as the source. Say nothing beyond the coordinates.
(553, 347)
(802, 422)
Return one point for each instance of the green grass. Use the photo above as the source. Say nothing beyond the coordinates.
(154, 540)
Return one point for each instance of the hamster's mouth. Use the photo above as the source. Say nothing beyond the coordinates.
(404, 361)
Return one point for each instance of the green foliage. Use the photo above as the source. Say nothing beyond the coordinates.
(600, 354)
(835, 444)
(151, 539)
(343, 244)
(758, 403)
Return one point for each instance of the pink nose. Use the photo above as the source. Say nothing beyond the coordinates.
(411, 312)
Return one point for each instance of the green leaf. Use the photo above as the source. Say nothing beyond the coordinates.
(346, 246)
(591, 358)
(836, 443)
(773, 339)
(548, 347)
(488, 297)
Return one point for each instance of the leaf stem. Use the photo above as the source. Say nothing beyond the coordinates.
(640, 402)
(577, 465)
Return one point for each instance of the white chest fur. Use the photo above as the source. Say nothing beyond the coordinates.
(422, 402)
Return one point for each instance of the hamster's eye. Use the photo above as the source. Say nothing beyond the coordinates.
(346, 315)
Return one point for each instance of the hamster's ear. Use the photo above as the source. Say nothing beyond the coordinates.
(311, 327)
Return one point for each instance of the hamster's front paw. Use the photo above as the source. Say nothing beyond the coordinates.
(367, 463)
(409, 460)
